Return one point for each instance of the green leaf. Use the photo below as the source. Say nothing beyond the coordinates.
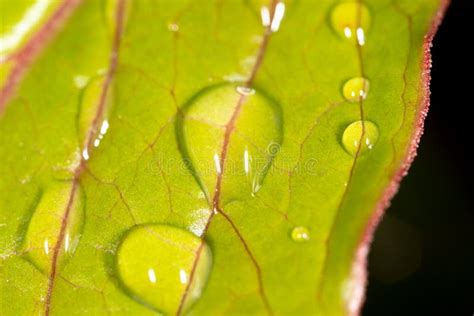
(203, 157)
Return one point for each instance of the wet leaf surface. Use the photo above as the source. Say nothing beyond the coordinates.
(202, 157)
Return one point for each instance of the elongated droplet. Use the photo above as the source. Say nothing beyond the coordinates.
(364, 134)
(44, 228)
(156, 263)
(300, 234)
(351, 20)
(90, 101)
(356, 89)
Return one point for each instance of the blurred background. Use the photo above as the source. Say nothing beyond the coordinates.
(422, 259)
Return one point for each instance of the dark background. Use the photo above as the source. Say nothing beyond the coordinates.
(422, 260)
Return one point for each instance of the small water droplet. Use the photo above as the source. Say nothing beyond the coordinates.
(155, 262)
(300, 234)
(353, 133)
(356, 89)
(45, 225)
(351, 21)
(245, 90)
(173, 27)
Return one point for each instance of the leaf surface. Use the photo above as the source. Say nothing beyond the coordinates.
(203, 157)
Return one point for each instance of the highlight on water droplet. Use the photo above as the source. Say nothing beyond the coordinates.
(351, 20)
(363, 134)
(42, 235)
(277, 16)
(300, 234)
(356, 89)
(156, 263)
(88, 107)
(243, 90)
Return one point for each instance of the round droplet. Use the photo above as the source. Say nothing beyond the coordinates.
(359, 137)
(356, 89)
(52, 212)
(300, 234)
(173, 27)
(351, 20)
(163, 266)
(245, 90)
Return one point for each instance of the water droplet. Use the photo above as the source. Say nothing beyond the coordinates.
(351, 20)
(155, 263)
(358, 131)
(90, 100)
(173, 27)
(300, 234)
(201, 133)
(245, 90)
(45, 225)
(356, 89)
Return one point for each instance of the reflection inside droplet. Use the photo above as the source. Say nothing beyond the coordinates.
(355, 89)
(300, 234)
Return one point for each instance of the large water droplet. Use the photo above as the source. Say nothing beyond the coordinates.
(157, 262)
(351, 20)
(300, 234)
(356, 89)
(51, 213)
(360, 133)
(244, 121)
